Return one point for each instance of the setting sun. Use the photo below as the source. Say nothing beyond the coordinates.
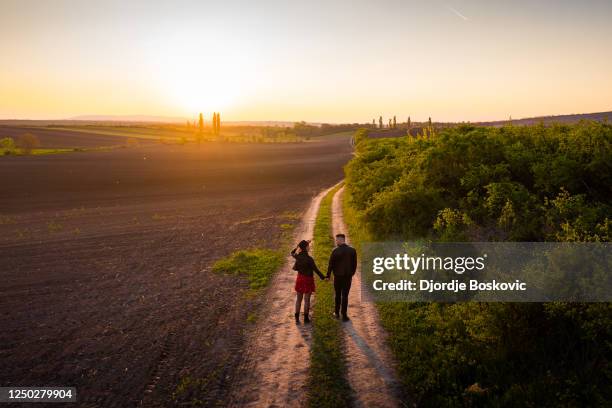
(198, 77)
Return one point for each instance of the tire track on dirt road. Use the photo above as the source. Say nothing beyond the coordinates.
(370, 365)
(274, 370)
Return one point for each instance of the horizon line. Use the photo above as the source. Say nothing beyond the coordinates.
(160, 119)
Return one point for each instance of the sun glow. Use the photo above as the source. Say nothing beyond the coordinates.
(199, 78)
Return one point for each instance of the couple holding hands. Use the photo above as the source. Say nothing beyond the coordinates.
(342, 264)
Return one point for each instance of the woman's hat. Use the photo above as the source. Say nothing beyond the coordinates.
(303, 244)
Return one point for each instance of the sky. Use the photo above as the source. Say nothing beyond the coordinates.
(316, 60)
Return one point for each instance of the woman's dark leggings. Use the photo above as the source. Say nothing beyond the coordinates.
(298, 302)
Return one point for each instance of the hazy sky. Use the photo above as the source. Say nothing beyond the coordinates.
(314, 60)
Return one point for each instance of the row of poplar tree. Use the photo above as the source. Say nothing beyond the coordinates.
(393, 123)
(216, 123)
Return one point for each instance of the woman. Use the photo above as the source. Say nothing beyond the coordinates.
(304, 283)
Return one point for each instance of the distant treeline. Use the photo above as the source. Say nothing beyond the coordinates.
(513, 183)
(549, 120)
(304, 129)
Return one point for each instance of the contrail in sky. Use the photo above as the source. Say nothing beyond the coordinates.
(457, 12)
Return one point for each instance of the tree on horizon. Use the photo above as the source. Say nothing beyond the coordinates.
(216, 125)
(201, 122)
(430, 128)
(28, 142)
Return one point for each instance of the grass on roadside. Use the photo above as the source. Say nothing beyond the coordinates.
(34, 152)
(257, 264)
(327, 382)
(47, 151)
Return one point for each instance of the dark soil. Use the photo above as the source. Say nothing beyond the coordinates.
(60, 138)
(105, 280)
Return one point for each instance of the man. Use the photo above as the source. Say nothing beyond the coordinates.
(343, 264)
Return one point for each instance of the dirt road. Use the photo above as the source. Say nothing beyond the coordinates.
(275, 368)
(370, 365)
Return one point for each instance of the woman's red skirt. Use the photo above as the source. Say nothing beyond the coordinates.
(304, 284)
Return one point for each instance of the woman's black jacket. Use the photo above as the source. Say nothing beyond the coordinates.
(304, 264)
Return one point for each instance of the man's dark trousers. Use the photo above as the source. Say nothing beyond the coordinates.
(342, 285)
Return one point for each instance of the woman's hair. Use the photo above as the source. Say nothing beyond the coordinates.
(303, 245)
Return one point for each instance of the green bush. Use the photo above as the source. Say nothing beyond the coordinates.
(531, 183)
(7, 145)
(513, 183)
(361, 135)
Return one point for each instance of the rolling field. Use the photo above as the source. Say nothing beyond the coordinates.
(67, 138)
(106, 280)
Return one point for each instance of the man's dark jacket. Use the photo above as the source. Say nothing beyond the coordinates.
(343, 261)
